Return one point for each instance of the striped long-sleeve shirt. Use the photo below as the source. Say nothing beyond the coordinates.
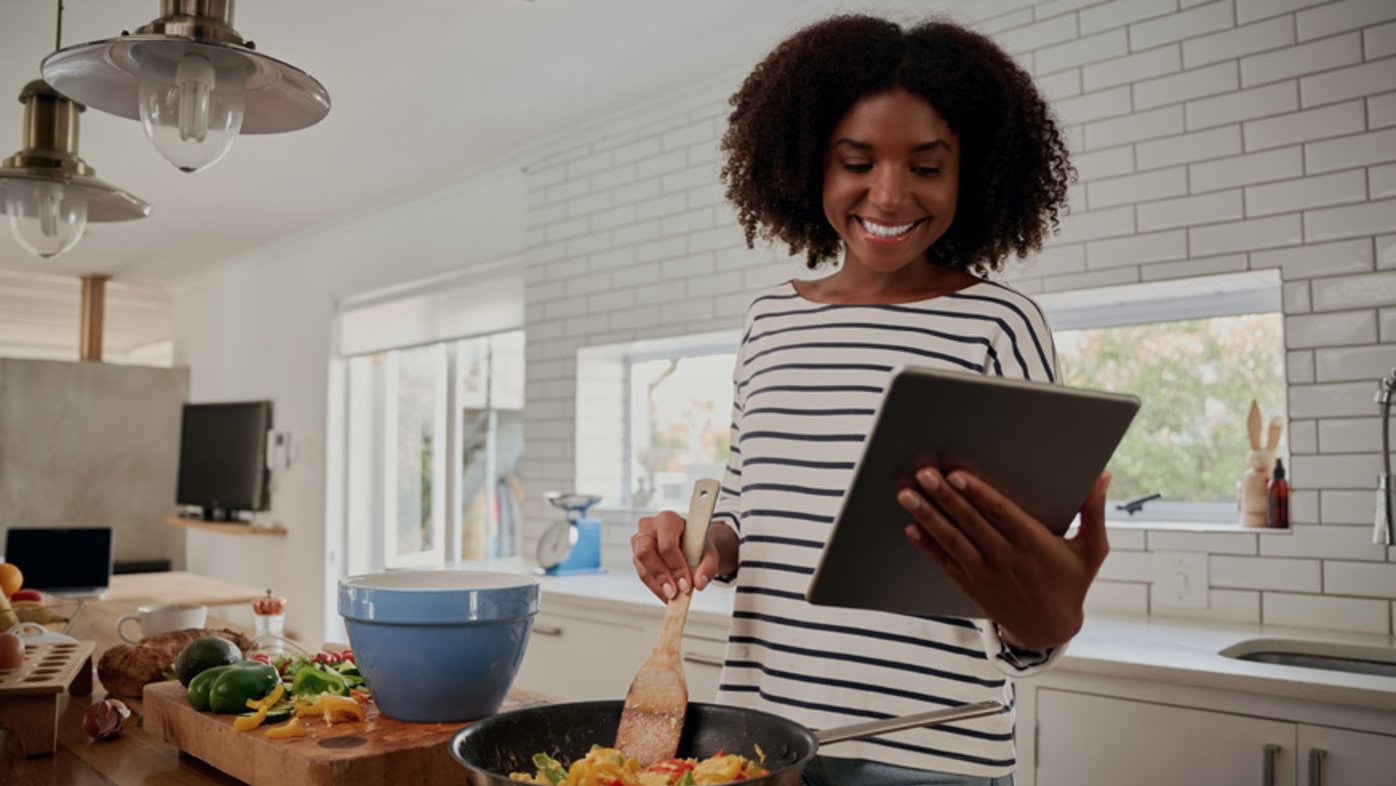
(808, 380)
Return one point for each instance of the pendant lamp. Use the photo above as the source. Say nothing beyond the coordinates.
(192, 82)
(49, 193)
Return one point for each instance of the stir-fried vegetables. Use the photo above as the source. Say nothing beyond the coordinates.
(608, 767)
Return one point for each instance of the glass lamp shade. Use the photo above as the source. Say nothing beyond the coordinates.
(190, 110)
(46, 217)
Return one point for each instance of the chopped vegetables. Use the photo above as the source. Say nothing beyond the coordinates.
(604, 766)
(260, 707)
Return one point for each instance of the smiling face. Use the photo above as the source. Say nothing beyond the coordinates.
(891, 176)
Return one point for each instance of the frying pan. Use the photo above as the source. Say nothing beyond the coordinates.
(492, 748)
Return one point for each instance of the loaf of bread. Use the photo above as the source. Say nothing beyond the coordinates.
(125, 669)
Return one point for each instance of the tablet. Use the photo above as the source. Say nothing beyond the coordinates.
(1042, 445)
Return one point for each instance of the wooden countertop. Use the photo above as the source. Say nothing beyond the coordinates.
(178, 587)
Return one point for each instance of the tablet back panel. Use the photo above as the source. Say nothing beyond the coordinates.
(1042, 445)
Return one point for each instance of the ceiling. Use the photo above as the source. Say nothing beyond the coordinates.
(422, 92)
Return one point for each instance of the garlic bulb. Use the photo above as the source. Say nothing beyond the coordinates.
(105, 719)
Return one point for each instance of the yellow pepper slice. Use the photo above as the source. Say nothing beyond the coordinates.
(262, 706)
(333, 708)
(250, 722)
(271, 698)
(291, 728)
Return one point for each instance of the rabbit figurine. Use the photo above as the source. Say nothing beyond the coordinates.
(1260, 465)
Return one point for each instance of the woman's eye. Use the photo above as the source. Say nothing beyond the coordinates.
(857, 168)
(926, 171)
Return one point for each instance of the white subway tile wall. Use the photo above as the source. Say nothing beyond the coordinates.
(1210, 137)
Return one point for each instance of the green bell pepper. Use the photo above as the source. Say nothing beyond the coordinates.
(226, 689)
(312, 681)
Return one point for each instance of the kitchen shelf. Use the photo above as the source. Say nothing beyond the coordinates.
(222, 526)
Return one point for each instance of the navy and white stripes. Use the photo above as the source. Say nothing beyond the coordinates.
(808, 381)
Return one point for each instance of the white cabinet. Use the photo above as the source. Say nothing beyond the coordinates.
(1088, 740)
(1085, 740)
(588, 650)
(1339, 757)
(702, 665)
(579, 656)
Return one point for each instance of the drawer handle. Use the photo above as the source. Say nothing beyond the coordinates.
(1316, 758)
(1272, 752)
(548, 630)
(705, 660)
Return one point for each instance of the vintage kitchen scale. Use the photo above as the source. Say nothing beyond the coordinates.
(573, 545)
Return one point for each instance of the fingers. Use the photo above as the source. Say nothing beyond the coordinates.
(658, 560)
(978, 525)
(1091, 536)
(645, 556)
(707, 566)
(936, 554)
(1002, 514)
(944, 534)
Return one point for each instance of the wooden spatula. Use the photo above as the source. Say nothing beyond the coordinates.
(652, 719)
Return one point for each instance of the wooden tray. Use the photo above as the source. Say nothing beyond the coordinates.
(29, 695)
(379, 750)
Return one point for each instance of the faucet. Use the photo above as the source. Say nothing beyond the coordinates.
(1384, 523)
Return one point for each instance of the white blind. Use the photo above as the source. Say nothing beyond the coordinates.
(482, 300)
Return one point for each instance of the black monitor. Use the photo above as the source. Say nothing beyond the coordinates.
(222, 458)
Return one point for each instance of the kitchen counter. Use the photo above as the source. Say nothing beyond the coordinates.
(1158, 649)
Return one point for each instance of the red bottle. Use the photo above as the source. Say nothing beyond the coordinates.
(1277, 499)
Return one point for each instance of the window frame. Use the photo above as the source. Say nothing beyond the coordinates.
(1174, 300)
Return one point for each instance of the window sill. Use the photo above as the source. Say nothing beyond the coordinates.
(1189, 526)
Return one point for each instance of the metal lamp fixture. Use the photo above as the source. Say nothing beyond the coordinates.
(192, 82)
(49, 193)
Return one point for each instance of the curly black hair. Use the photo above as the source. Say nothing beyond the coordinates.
(1014, 169)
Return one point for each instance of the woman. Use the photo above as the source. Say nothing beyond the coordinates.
(923, 157)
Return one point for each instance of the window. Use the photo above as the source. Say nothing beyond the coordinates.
(680, 418)
(407, 408)
(652, 417)
(431, 398)
(1196, 353)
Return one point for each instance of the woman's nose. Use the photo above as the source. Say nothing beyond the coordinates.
(888, 190)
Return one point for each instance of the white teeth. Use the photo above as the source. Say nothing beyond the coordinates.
(884, 231)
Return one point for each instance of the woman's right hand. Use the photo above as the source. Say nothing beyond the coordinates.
(659, 560)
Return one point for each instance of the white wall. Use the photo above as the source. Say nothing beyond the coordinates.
(260, 327)
(1211, 137)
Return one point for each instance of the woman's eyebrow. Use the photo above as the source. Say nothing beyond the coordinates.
(921, 148)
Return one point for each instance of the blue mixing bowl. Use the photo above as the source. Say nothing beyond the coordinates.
(438, 645)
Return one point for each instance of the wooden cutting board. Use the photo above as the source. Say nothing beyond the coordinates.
(378, 751)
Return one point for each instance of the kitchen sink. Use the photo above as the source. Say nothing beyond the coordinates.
(1327, 655)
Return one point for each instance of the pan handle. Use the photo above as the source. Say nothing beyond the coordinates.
(858, 731)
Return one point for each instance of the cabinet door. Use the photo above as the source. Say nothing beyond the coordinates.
(578, 657)
(702, 666)
(1085, 740)
(1338, 757)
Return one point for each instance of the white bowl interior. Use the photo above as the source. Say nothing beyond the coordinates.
(439, 580)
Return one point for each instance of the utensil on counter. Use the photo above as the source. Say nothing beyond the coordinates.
(652, 721)
(491, 748)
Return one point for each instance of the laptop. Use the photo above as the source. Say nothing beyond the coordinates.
(67, 561)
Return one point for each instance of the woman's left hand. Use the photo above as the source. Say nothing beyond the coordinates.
(1028, 580)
